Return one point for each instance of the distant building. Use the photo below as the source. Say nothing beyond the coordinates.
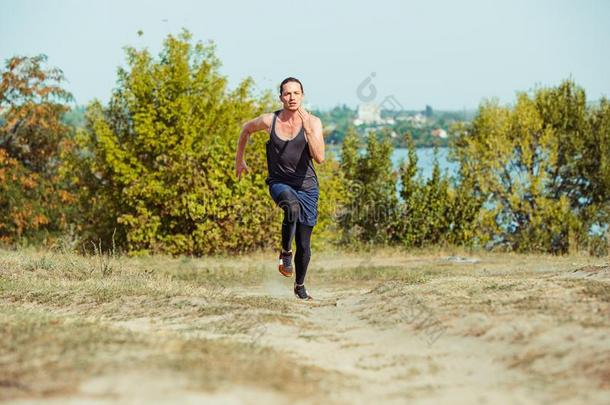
(439, 133)
(368, 113)
(418, 119)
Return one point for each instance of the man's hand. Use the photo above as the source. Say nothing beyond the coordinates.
(306, 118)
(241, 167)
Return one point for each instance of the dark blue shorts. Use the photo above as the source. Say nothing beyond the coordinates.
(308, 200)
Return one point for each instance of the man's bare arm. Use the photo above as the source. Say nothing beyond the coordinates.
(315, 139)
(255, 125)
(314, 134)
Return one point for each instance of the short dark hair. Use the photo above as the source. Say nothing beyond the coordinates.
(288, 80)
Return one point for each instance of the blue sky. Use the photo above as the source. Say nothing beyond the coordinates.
(448, 54)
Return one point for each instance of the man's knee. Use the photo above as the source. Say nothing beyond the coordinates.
(303, 251)
(306, 251)
(304, 246)
(290, 205)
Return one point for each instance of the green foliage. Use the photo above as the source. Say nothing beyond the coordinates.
(333, 197)
(371, 207)
(34, 198)
(541, 167)
(157, 163)
(336, 122)
(433, 211)
(154, 169)
(349, 169)
(156, 166)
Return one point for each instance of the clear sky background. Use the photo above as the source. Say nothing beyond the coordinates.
(448, 54)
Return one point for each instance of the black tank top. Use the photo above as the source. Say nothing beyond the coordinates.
(290, 161)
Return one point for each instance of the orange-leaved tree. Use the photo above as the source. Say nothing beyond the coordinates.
(35, 199)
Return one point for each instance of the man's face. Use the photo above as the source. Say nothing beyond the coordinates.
(291, 96)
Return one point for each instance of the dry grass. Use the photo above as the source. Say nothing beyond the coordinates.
(67, 318)
(48, 355)
(60, 314)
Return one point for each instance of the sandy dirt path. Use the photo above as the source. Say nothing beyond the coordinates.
(398, 363)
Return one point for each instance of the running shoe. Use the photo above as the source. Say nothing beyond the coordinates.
(285, 264)
(301, 293)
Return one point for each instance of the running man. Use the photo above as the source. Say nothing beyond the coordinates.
(292, 180)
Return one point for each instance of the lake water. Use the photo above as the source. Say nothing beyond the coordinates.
(425, 159)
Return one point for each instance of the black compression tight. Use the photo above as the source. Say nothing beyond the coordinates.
(291, 227)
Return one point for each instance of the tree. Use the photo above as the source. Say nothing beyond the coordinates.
(349, 169)
(434, 211)
(157, 163)
(34, 196)
(540, 167)
(370, 213)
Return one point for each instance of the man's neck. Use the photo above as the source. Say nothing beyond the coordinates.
(288, 115)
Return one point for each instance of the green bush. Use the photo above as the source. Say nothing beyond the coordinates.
(542, 168)
(434, 211)
(157, 163)
(371, 206)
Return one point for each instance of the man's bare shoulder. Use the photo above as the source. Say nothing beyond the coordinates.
(261, 123)
(316, 120)
(267, 118)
